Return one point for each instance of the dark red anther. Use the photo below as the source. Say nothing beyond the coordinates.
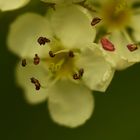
(107, 45)
(71, 54)
(36, 59)
(23, 63)
(95, 21)
(132, 47)
(79, 75)
(81, 72)
(51, 54)
(76, 76)
(52, 5)
(36, 83)
(43, 40)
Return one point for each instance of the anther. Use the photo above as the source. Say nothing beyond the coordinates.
(107, 45)
(51, 54)
(36, 83)
(76, 76)
(36, 59)
(24, 63)
(132, 47)
(52, 5)
(95, 21)
(79, 75)
(71, 54)
(81, 72)
(43, 40)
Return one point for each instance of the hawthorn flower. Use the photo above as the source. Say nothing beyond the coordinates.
(6, 5)
(60, 62)
(118, 29)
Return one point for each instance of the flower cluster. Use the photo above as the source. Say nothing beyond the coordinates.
(73, 50)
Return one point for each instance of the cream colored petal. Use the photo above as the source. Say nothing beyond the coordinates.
(72, 26)
(23, 75)
(98, 73)
(121, 58)
(62, 1)
(12, 4)
(70, 104)
(135, 26)
(24, 32)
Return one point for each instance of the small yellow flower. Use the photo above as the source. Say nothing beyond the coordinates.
(60, 59)
(6, 5)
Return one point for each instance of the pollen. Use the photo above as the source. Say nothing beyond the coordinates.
(36, 83)
(71, 54)
(78, 75)
(36, 59)
(51, 54)
(107, 45)
(24, 63)
(132, 47)
(81, 72)
(95, 21)
(43, 40)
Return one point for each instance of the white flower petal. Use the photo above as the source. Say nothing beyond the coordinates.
(70, 104)
(62, 1)
(121, 58)
(24, 32)
(98, 73)
(136, 27)
(23, 75)
(72, 26)
(12, 4)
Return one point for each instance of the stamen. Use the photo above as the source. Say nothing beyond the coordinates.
(23, 63)
(51, 54)
(107, 45)
(36, 83)
(79, 75)
(71, 54)
(61, 51)
(36, 59)
(52, 5)
(95, 21)
(81, 72)
(76, 76)
(43, 40)
(132, 47)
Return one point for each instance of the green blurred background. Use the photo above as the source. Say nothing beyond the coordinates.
(116, 115)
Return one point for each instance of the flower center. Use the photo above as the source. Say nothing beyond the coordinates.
(61, 61)
(116, 14)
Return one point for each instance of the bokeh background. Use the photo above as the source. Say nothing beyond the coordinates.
(116, 115)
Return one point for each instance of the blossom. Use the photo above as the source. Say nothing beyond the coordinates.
(62, 62)
(6, 5)
(119, 27)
